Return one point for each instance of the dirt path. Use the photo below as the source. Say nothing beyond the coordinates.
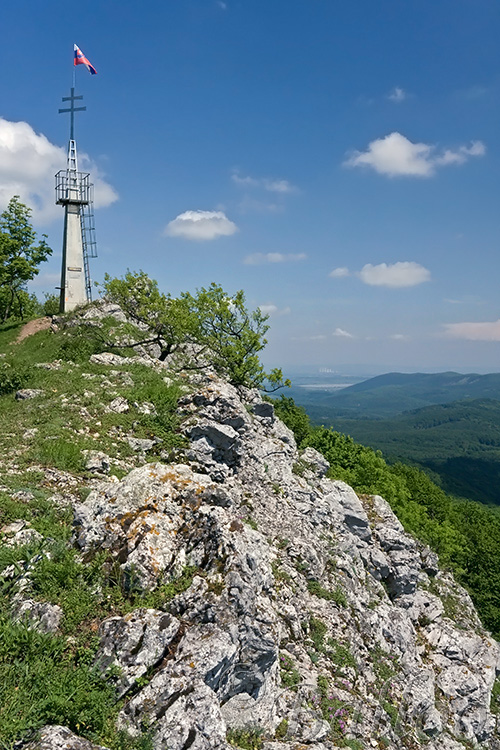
(40, 324)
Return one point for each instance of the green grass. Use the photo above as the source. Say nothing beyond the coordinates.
(70, 415)
(337, 595)
(249, 738)
(290, 676)
(48, 678)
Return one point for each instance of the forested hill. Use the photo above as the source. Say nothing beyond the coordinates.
(459, 441)
(393, 393)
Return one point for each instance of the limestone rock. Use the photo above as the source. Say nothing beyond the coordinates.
(134, 644)
(97, 461)
(26, 393)
(18, 533)
(297, 601)
(42, 616)
(60, 738)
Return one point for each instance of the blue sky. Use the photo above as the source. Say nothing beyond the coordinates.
(337, 161)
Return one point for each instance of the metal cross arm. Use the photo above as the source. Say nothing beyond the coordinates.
(72, 109)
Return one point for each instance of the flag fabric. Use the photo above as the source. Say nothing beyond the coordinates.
(80, 59)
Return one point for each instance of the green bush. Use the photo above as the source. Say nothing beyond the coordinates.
(249, 738)
(13, 377)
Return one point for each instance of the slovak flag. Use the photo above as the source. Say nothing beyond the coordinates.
(80, 59)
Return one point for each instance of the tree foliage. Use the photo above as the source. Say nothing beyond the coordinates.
(224, 333)
(20, 256)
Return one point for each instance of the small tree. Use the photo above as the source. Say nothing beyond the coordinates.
(20, 257)
(234, 336)
(226, 334)
(170, 322)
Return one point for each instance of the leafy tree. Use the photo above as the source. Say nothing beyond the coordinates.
(20, 256)
(50, 306)
(169, 322)
(225, 334)
(234, 336)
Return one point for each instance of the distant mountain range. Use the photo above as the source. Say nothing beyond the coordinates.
(393, 393)
(447, 423)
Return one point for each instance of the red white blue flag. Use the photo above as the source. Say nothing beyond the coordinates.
(80, 59)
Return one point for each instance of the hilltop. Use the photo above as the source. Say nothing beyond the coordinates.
(179, 569)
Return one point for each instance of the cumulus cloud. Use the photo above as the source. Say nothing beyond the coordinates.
(474, 331)
(342, 334)
(200, 225)
(401, 274)
(397, 95)
(272, 185)
(271, 309)
(396, 156)
(28, 163)
(339, 273)
(257, 259)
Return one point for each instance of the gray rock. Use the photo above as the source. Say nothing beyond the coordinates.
(140, 444)
(19, 533)
(134, 643)
(41, 616)
(316, 462)
(119, 405)
(97, 461)
(60, 738)
(264, 410)
(355, 516)
(26, 393)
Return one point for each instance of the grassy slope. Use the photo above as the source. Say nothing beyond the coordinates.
(50, 678)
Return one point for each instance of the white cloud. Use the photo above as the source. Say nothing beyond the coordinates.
(474, 331)
(339, 273)
(395, 155)
(318, 337)
(272, 185)
(271, 309)
(257, 259)
(399, 337)
(28, 163)
(397, 95)
(401, 274)
(342, 334)
(200, 225)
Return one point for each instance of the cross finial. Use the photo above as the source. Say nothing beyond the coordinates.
(72, 109)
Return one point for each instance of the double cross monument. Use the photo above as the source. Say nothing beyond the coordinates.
(74, 191)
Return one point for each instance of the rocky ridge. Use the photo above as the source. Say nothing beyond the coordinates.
(311, 619)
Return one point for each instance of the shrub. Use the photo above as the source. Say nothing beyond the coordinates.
(13, 377)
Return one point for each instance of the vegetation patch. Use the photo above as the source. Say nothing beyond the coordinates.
(336, 595)
(248, 738)
(290, 676)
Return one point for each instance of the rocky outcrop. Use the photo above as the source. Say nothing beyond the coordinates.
(309, 616)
